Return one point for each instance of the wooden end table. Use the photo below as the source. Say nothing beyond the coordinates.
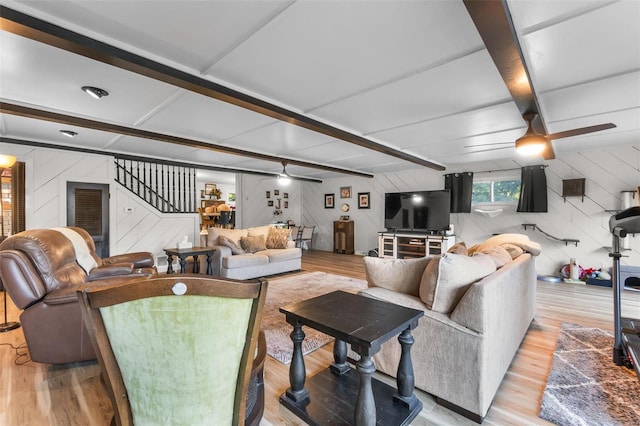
(182, 255)
(339, 395)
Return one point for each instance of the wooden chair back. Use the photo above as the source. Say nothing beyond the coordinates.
(176, 350)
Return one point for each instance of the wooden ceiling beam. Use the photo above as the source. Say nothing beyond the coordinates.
(53, 35)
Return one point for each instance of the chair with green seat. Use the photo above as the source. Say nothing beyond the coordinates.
(178, 350)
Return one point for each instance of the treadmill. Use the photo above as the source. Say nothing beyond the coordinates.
(626, 345)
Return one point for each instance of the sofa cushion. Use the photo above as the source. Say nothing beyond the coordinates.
(280, 255)
(244, 261)
(447, 277)
(252, 244)
(232, 234)
(228, 242)
(401, 275)
(277, 238)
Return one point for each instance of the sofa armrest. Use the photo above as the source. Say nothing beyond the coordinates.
(216, 260)
(141, 259)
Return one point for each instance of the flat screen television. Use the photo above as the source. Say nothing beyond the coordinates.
(418, 211)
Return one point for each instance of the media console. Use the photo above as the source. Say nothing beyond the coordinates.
(407, 245)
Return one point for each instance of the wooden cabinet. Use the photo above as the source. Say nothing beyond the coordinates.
(343, 236)
(407, 246)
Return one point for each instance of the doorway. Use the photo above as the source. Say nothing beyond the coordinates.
(88, 208)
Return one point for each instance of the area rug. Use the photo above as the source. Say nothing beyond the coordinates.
(584, 386)
(288, 290)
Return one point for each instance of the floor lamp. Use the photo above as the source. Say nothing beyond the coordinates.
(6, 161)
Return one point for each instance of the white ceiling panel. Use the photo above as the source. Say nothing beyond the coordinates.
(152, 148)
(565, 54)
(199, 117)
(496, 118)
(318, 52)
(49, 132)
(37, 74)
(613, 94)
(462, 84)
(191, 33)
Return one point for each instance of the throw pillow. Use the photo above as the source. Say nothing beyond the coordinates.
(459, 248)
(401, 275)
(448, 277)
(253, 244)
(259, 230)
(513, 250)
(277, 238)
(234, 246)
(519, 240)
(499, 255)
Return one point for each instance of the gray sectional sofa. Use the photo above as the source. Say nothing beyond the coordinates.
(461, 356)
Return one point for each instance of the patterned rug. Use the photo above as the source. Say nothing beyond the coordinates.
(294, 289)
(584, 386)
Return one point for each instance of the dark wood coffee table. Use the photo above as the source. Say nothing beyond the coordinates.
(339, 395)
(182, 255)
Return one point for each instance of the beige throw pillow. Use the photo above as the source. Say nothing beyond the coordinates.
(447, 278)
(401, 275)
(459, 248)
(228, 242)
(277, 238)
(499, 255)
(253, 244)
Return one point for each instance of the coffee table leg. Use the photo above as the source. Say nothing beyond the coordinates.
(297, 372)
(209, 268)
(196, 264)
(183, 263)
(365, 404)
(170, 264)
(340, 365)
(405, 378)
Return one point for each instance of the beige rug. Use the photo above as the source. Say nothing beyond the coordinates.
(294, 289)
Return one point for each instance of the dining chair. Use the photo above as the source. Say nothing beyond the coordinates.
(176, 350)
(295, 234)
(306, 237)
(206, 221)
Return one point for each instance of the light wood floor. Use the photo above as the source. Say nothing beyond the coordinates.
(38, 394)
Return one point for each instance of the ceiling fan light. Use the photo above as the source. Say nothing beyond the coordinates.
(283, 177)
(69, 133)
(531, 144)
(95, 92)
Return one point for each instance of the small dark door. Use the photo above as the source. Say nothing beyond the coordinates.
(88, 208)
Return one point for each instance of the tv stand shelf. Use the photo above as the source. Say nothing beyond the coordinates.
(412, 245)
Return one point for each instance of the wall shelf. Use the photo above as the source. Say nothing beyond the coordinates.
(546, 234)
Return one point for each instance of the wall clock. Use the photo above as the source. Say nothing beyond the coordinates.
(345, 207)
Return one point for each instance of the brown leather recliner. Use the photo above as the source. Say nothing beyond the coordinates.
(38, 269)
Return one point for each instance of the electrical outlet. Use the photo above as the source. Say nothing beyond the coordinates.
(128, 209)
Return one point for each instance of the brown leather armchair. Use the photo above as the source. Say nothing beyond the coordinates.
(39, 271)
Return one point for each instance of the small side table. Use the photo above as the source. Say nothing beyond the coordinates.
(182, 254)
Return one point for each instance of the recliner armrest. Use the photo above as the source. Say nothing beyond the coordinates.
(141, 259)
(110, 271)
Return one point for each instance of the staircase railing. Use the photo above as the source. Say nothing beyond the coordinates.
(167, 188)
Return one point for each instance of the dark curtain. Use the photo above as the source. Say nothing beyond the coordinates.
(460, 185)
(533, 190)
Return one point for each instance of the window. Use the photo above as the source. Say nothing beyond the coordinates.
(498, 191)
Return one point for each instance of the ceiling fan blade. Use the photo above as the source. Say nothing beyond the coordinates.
(580, 131)
(548, 153)
(488, 144)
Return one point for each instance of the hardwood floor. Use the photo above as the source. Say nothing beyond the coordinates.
(39, 394)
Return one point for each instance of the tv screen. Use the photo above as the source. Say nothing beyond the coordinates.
(417, 211)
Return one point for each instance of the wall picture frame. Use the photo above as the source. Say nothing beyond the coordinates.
(345, 192)
(329, 201)
(270, 203)
(268, 194)
(363, 200)
(276, 192)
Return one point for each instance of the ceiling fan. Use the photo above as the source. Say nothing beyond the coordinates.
(493, 21)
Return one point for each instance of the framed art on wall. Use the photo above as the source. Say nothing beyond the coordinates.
(345, 192)
(329, 201)
(363, 200)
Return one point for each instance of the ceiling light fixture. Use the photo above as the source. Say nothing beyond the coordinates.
(69, 133)
(95, 92)
(284, 178)
(531, 143)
